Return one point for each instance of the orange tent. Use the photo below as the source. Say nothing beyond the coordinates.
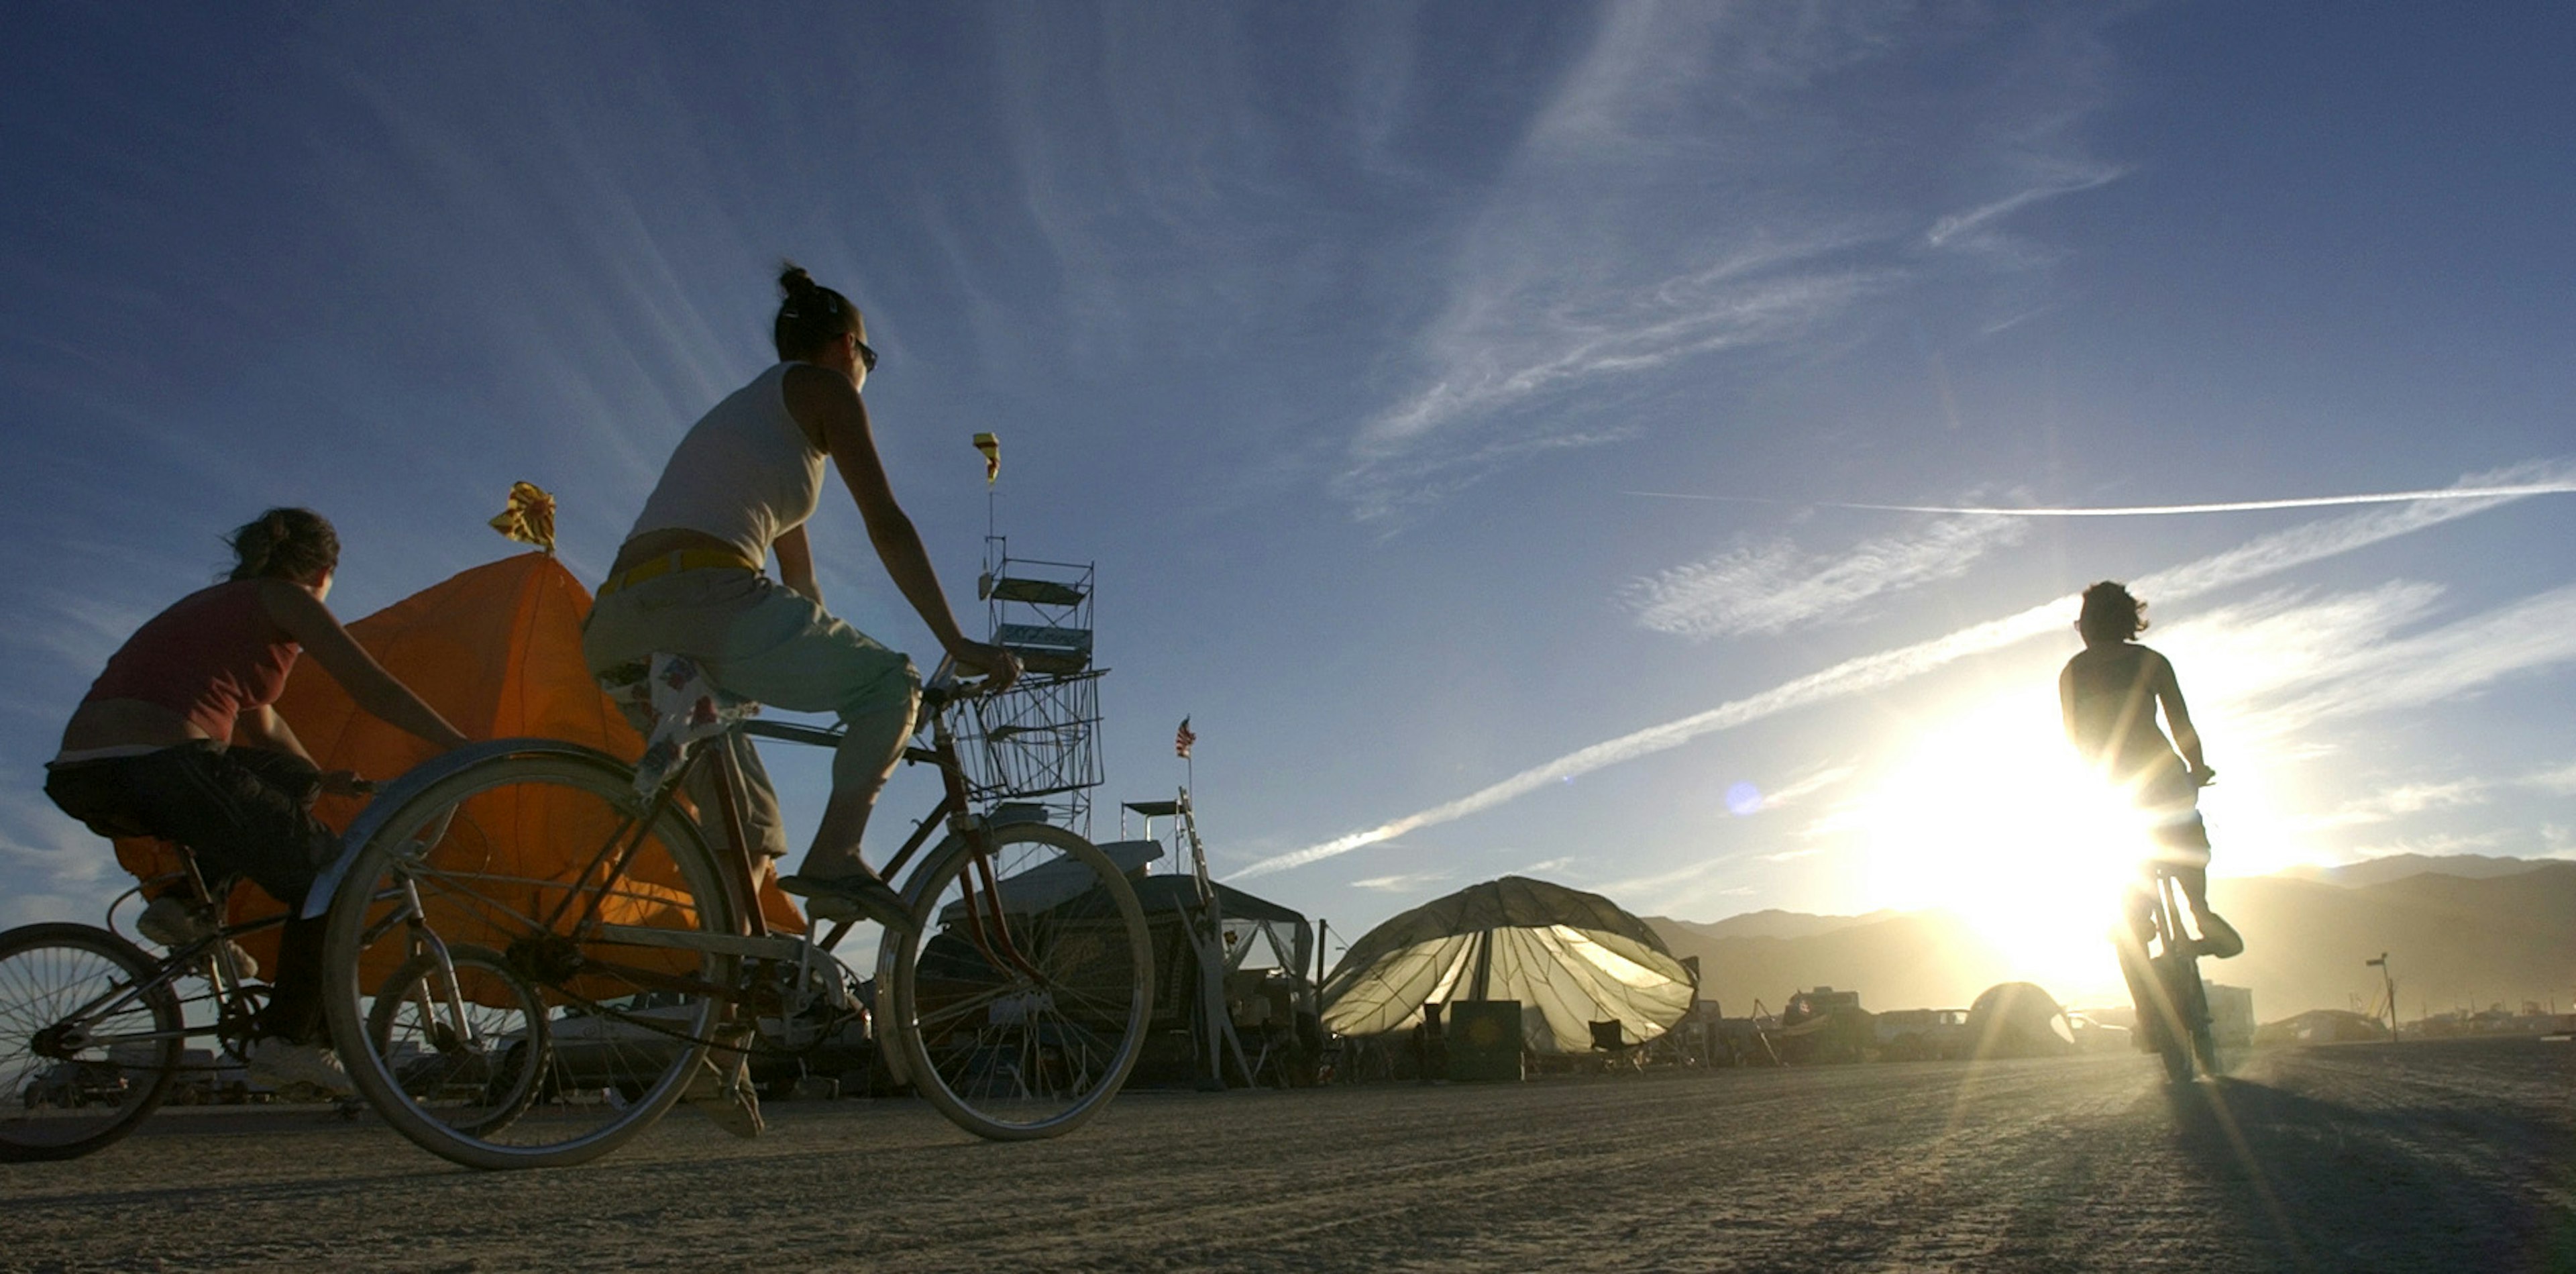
(497, 651)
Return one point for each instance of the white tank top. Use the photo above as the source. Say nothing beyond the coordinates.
(745, 473)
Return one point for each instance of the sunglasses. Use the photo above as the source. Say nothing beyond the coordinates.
(867, 356)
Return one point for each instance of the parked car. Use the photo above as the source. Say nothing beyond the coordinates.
(76, 1083)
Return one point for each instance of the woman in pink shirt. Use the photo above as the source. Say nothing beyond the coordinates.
(177, 739)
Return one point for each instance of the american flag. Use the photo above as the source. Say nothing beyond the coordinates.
(1182, 739)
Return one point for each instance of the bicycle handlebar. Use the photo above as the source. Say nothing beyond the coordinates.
(944, 686)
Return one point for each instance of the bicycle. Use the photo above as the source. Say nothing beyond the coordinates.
(1015, 991)
(93, 1028)
(2172, 1004)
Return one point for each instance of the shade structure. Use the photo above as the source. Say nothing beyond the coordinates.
(2018, 1019)
(1571, 959)
(497, 651)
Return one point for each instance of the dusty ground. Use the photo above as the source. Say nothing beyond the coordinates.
(2448, 1157)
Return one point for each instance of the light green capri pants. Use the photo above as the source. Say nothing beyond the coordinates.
(763, 641)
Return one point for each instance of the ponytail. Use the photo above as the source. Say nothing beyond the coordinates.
(284, 544)
(810, 316)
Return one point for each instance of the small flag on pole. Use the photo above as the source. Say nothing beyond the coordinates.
(992, 449)
(1182, 739)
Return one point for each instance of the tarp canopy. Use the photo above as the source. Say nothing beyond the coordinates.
(1570, 958)
(1245, 916)
(2018, 1019)
(497, 651)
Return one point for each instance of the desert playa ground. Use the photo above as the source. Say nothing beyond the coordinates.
(2438, 1156)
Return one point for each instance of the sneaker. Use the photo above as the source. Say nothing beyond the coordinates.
(174, 922)
(849, 898)
(280, 1063)
(724, 1094)
(2219, 939)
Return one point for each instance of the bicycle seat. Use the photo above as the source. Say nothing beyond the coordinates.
(675, 704)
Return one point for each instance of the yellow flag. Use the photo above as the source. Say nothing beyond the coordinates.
(530, 518)
(992, 449)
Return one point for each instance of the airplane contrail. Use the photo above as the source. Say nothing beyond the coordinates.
(2258, 557)
(2514, 491)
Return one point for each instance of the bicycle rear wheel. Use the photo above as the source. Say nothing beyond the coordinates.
(2179, 1019)
(537, 857)
(1021, 997)
(88, 1041)
(2204, 1038)
(471, 1038)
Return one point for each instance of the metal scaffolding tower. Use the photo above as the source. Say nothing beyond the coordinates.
(1038, 742)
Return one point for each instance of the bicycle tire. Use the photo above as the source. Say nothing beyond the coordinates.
(481, 1078)
(2176, 979)
(515, 832)
(47, 973)
(1033, 1047)
(2204, 1038)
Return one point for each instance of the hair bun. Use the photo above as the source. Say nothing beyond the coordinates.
(793, 278)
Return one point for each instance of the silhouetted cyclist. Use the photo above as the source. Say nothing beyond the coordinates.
(2109, 693)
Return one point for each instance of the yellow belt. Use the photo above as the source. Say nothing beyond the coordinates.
(682, 560)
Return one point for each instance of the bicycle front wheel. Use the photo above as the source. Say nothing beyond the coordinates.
(583, 937)
(470, 1037)
(89, 1040)
(1022, 995)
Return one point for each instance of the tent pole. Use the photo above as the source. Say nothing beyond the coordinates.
(1483, 980)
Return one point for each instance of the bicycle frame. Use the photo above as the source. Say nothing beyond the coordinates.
(2166, 987)
(985, 929)
(577, 915)
(205, 955)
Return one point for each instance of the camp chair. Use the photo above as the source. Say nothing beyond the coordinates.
(1616, 1050)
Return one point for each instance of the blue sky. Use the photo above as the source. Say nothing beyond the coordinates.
(1343, 338)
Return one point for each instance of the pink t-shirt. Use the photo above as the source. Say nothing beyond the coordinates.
(213, 655)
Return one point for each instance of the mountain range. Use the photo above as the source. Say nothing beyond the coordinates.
(2462, 931)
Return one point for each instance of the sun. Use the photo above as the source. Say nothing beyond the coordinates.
(1991, 817)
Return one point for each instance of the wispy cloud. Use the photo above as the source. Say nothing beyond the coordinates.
(1685, 192)
(1820, 779)
(1775, 586)
(2447, 662)
(2408, 799)
(2543, 486)
(1401, 884)
(1663, 882)
(56, 867)
(2255, 559)
(2439, 844)
(1974, 220)
(2413, 798)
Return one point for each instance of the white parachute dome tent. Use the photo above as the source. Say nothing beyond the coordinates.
(1569, 957)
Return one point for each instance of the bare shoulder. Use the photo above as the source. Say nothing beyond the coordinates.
(807, 386)
(819, 399)
(2154, 664)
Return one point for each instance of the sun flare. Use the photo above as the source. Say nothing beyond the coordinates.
(1991, 818)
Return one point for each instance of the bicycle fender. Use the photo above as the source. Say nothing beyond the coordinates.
(391, 797)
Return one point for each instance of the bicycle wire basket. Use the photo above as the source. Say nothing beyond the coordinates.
(1035, 740)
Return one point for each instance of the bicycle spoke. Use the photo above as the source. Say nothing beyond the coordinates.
(1024, 1004)
(88, 1039)
(573, 1042)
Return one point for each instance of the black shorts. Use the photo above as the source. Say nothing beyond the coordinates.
(243, 811)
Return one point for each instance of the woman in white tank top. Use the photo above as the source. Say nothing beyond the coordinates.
(2109, 693)
(739, 489)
